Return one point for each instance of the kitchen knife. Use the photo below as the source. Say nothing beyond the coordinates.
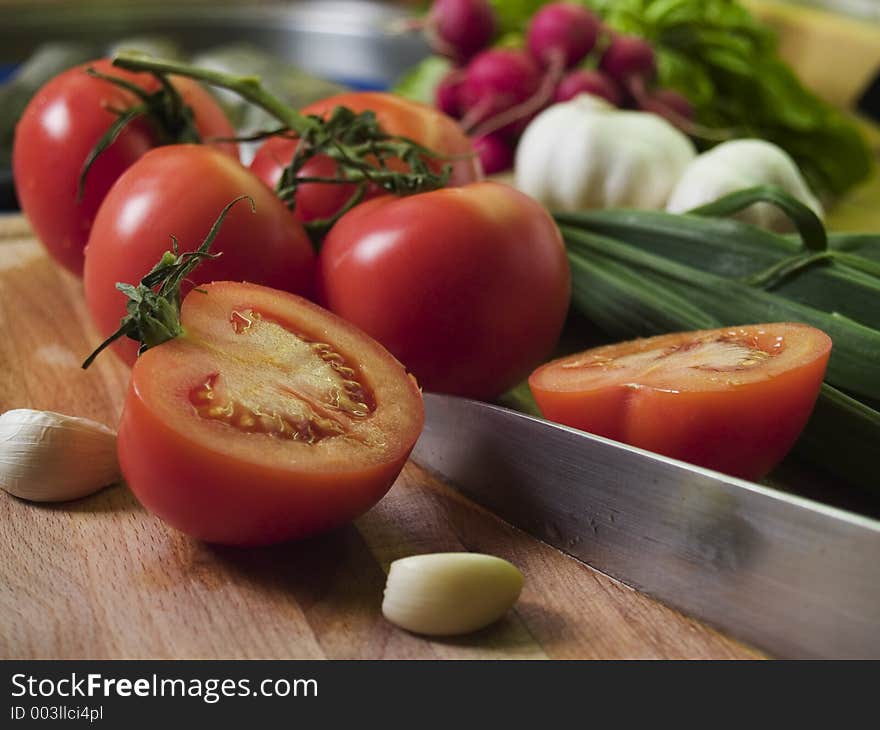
(790, 576)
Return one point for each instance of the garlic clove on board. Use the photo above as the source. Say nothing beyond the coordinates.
(444, 594)
(51, 457)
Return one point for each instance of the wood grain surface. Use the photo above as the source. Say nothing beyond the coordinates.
(102, 578)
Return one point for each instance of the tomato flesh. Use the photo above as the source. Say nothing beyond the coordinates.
(734, 400)
(270, 419)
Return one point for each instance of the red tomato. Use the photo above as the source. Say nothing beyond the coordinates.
(269, 419)
(734, 400)
(178, 190)
(60, 127)
(468, 287)
(421, 123)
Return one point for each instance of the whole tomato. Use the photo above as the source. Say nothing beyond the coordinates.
(397, 116)
(468, 287)
(176, 191)
(61, 126)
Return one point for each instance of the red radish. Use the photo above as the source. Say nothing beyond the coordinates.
(669, 104)
(446, 95)
(496, 154)
(559, 35)
(562, 29)
(460, 28)
(629, 59)
(512, 130)
(584, 81)
(679, 112)
(496, 81)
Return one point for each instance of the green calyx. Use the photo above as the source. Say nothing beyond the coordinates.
(154, 305)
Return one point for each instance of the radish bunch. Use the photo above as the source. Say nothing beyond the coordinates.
(495, 92)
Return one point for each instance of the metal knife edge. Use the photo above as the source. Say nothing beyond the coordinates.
(783, 573)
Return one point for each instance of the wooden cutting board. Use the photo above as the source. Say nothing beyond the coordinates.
(103, 578)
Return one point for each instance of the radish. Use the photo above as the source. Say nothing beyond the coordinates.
(668, 104)
(559, 35)
(460, 28)
(496, 153)
(584, 81)
(562, 29)
(497, 81)
(446, 95)
(630, 61)
(678, 111)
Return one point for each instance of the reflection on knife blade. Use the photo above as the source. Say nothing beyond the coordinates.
(791, 576)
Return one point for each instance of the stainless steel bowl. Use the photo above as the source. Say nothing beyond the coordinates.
(355, 42)
(349, 40)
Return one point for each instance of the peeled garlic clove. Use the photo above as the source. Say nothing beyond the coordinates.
(50, 457)
(449, 593)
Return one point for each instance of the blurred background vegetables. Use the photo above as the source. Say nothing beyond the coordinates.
(714, 64)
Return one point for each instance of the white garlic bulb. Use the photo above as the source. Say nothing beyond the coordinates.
(443, 594)
(50, 457)
(583, 153)
(740, 164)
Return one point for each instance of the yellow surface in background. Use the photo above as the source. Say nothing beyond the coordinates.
(859, 210)
(835, 56)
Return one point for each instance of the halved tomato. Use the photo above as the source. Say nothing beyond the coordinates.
(732, 399)
(268, 419)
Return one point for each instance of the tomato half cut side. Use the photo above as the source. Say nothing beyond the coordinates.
(733, 399)
(269, 419)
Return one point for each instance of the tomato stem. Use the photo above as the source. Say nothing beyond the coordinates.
(122, 121)
(362, 151)
(248, 87)
(355, 141)
(318, 228)
(254, 137)
(154, 305)
(172, 119)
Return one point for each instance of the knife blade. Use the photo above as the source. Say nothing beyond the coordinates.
(796, 578)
